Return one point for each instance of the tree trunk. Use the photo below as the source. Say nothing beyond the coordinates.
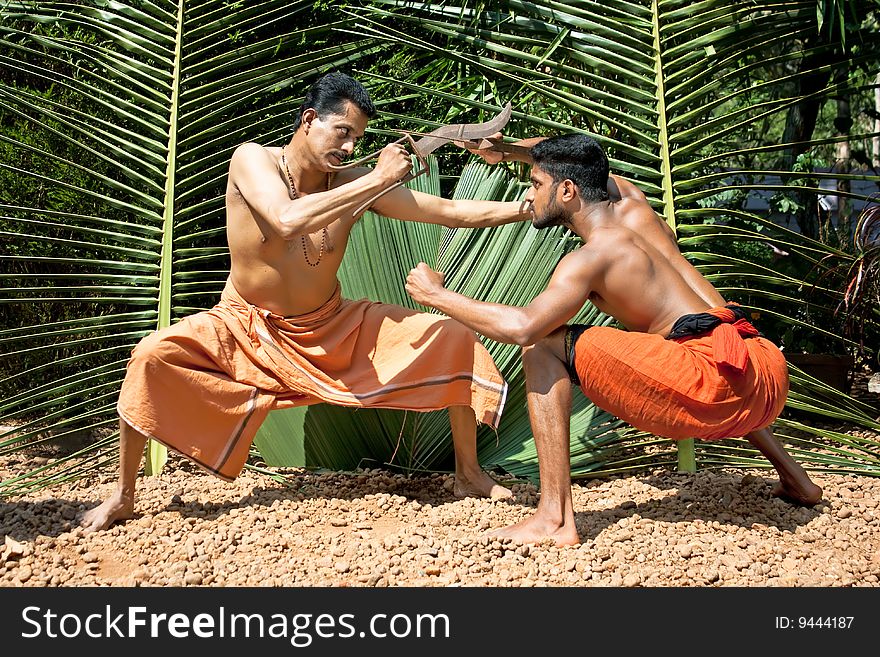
(842, 159)
(876, 139)
(800, 124)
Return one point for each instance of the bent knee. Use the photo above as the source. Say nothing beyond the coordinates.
(148, 344)
(162, 346)
(551, 346)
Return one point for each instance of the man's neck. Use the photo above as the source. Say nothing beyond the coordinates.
(591, 216)
(305, 173)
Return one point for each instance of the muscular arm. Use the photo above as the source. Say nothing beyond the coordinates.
(410, 205)
(501, 151)
(568, 290)
(520, 152)
(254, 174)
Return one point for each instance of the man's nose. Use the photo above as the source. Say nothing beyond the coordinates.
(348, 147)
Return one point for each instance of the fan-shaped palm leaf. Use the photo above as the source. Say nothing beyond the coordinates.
(119, 119)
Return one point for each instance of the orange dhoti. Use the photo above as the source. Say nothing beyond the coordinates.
(203, 386)
(710, 384)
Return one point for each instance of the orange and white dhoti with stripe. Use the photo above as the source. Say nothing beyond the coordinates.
(203, 386)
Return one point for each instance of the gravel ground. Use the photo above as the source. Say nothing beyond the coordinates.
(374, 528)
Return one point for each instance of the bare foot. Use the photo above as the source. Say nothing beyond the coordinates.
(114, 508)
(479, 485)
(536, 529)
(802, 493)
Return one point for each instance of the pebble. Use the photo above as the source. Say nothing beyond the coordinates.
(392, 530)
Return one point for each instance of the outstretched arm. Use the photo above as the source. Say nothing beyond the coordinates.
(409, 205)
(568, 290)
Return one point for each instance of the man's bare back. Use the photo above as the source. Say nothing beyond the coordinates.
(641, 247)
(633, 211)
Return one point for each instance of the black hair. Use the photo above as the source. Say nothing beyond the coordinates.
(330, 93)
(575, 157)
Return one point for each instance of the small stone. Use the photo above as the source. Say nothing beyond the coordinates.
(12, 550)
(90, 557)
(192, 579)
(632, 580)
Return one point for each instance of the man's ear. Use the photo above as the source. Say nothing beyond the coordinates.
(568, 190)
(308, 116)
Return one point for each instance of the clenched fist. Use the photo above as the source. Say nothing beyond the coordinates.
(394, 163)
(423, 283)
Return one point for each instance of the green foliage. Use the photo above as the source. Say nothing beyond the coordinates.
(119, 118)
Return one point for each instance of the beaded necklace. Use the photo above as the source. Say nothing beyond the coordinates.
(302, 238)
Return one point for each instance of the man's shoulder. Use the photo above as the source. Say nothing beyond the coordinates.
(634, 206)
(608, 244)
(637, 215)
(248, 158)
(249, 149)
(601, 244)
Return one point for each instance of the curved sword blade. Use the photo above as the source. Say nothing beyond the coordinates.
(462, 132)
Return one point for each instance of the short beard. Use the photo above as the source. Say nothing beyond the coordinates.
(553, 216)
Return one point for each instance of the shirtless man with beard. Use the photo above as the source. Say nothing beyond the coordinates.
(686, 365)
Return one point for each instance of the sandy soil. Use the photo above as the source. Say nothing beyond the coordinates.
(373, 528)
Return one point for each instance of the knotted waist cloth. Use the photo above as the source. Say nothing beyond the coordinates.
(204, 385)
(713, 377)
